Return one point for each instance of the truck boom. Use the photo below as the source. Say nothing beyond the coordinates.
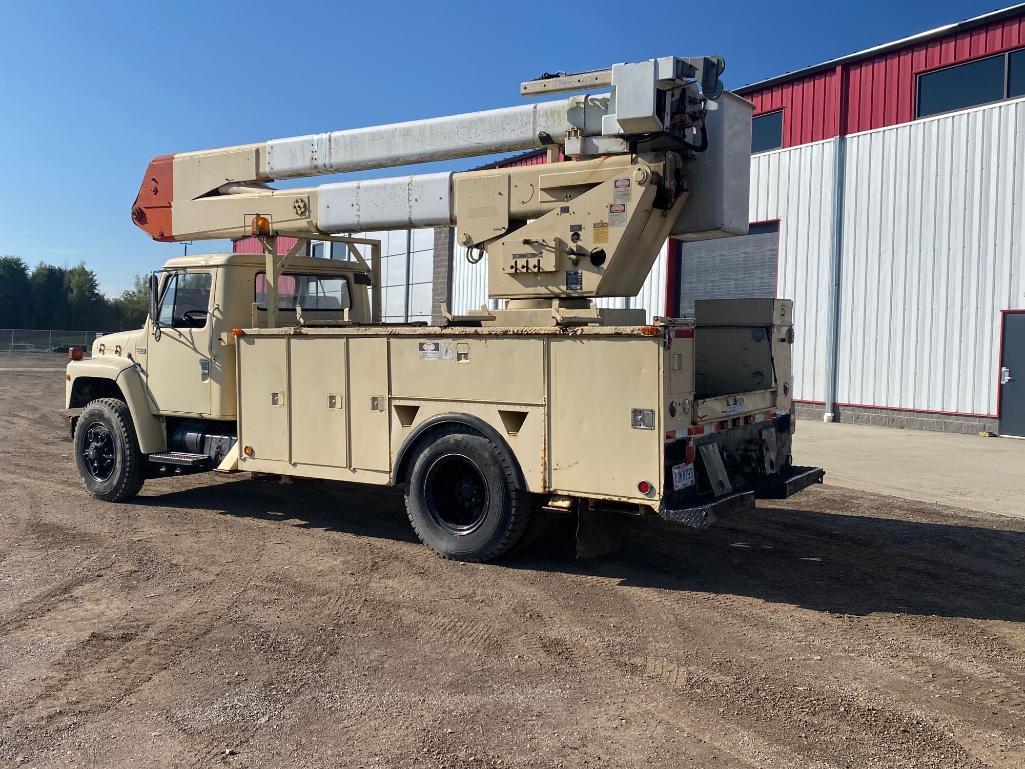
(587, 227)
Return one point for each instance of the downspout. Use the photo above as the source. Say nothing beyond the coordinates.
(833, 316)
(409, 275)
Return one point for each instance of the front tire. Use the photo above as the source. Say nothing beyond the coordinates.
(462, 498)
(107, 453)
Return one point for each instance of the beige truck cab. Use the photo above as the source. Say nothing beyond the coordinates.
(171, 385)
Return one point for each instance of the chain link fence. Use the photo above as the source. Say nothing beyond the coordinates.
(44, 340)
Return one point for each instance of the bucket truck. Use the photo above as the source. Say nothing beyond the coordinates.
(279, 363)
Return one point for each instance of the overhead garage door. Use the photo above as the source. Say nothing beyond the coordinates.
(729, 268)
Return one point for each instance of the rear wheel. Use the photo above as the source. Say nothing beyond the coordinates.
(107, 453)
(462, 498)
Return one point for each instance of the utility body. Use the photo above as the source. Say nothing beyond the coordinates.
(278, 362)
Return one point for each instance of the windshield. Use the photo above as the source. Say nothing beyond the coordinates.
(310, 291)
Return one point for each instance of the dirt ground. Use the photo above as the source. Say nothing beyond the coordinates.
(225, 621)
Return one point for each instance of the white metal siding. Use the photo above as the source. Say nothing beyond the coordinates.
(469, 282)
(933, 229)
(795, 186)
(407, 265)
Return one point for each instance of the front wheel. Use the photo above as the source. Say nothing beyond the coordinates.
(462, 498)
(107, 453)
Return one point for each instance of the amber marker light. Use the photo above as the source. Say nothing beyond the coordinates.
(236, 332)
(248, 451)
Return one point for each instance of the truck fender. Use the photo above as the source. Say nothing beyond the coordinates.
(125, 378)
(405, 454)
(149, 428)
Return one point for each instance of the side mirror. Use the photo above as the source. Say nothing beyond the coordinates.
(154, 298)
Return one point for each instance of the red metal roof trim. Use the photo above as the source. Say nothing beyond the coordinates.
(880, 90)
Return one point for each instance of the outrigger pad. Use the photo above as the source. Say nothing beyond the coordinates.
(791, 481)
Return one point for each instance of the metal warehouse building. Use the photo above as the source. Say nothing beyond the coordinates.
(888, 201)
(896, 178)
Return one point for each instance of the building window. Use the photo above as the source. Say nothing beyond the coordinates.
(1016, 73)
(767, 132)
(971, 84)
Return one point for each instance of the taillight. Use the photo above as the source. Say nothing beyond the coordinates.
(689, 451)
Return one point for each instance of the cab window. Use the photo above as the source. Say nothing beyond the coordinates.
(186, 300)
(328, 293)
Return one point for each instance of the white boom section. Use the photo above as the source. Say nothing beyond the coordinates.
(445, 138)
(423, 200)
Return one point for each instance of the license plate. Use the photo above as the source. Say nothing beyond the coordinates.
(683, 476)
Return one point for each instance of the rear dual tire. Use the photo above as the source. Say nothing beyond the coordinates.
(463, 499)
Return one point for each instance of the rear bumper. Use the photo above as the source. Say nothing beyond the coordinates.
(703, 512)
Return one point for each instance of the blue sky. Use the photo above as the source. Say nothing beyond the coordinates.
(92, 91)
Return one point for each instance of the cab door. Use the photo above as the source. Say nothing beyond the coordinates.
(179, 359)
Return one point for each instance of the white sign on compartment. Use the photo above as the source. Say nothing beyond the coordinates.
(437, 351)
(683, 476)
(736, 407)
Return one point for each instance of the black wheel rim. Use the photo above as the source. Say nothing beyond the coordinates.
(99, 452)
(456, 494)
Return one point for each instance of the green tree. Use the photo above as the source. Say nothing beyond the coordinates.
(48, 300)
(14, 292)
(133, 304)
(87, 307)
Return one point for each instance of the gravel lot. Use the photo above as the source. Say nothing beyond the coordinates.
(225, 621)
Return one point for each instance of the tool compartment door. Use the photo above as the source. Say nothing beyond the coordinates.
(263, 388)
(317, 367)
(369, 403)
(606, 415)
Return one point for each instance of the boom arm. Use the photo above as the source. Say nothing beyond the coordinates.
(625, 185)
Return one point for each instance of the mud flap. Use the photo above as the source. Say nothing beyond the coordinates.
(599, 532)
(715, 471)
(230, 462)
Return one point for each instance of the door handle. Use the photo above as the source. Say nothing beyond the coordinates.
(1005, 375)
